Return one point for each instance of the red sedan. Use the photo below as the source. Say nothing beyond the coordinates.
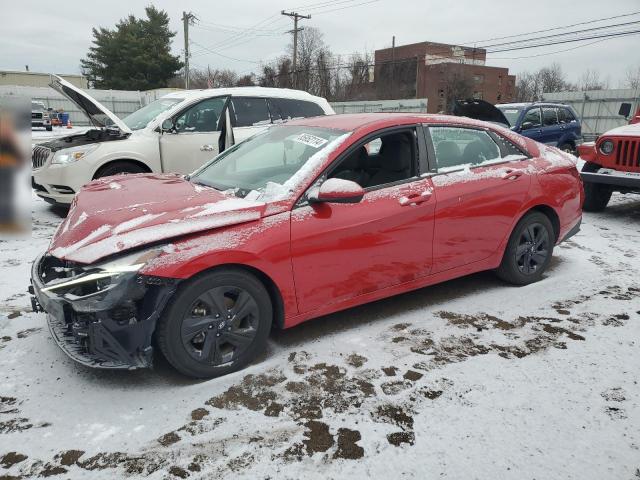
(308, 218)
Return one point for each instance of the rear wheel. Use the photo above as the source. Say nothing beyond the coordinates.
(117, 168)
(529, 250)
(216, 324)
(596, 195)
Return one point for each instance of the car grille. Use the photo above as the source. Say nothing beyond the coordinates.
(628, 154)
(36, 115)
(39, 156)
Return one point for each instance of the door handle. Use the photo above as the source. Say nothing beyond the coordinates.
(206, 148)
(415, 198)
(512, 174)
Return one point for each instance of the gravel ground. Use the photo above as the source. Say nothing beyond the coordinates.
(467, 379)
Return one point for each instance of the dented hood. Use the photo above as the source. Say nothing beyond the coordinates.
(99, 115)
(479, 110)
(115, 214)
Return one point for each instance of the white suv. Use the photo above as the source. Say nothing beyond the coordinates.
(177, 133)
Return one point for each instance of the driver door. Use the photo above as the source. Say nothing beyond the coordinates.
(194, 139)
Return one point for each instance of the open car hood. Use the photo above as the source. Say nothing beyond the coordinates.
(99, 115)
(115, 214)
(480, 110)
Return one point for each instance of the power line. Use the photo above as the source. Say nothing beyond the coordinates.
(555, 28)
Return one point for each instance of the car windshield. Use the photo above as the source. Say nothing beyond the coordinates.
(512, 113)
(141, 118)
(269, 166)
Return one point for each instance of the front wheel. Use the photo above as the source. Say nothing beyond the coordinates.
(118, 168)
(529, 250)
(596, 195)
(216, 324)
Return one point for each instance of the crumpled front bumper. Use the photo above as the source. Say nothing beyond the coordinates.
(111, 331)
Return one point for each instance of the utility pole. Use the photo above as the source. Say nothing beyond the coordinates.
(296, 16)
(187, 19)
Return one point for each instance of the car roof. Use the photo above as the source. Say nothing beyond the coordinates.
(355, 121)
(245, 92)
(531, 104)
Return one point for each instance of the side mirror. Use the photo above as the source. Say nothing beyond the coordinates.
(168, 126)
(625, 109)
(336, 190)
(526, 126)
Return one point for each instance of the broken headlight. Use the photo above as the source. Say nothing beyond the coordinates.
(99, 279)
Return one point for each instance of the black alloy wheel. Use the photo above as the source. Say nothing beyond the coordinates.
(529, 250)
(217, 323)
(220, 325)
(533, 248)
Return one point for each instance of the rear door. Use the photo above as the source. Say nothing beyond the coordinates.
(480, 181)
(341, 251)
(195, 138)
(250, 116)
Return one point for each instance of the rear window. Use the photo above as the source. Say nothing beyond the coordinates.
(250, 112)
(287, 109)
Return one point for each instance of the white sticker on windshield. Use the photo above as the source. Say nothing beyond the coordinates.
(311, 140)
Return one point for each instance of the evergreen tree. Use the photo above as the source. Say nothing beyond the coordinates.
(136, 55)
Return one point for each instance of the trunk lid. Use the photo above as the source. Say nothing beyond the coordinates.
(114, 214)
(99, 115)
(480, 110)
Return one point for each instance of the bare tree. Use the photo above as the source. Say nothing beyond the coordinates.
(632, 77)
(590, 80)
(530, 87)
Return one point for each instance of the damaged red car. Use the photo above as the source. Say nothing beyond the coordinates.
(305, 219)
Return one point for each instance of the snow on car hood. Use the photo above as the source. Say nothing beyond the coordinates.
(632, 130)
(99, 115)
(114, 214)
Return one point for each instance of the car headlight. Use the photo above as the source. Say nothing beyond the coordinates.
(69, 155)
(101, 276)
(606, 147)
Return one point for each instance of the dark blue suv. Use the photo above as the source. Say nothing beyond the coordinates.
(551, 123)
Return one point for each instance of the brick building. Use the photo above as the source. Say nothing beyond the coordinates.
(441, 73)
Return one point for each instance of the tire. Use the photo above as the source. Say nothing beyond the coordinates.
(569, 148)
(206, 306)
(49, 128)
(528, 251)
(117, 168)
(596, 195)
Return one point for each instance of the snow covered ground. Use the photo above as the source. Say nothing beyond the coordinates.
(468, 379)
(41, 135)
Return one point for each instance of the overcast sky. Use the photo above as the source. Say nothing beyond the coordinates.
(52, 36)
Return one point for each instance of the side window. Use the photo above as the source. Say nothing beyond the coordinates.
(384, 159)
(549, 117)
(202, 117)
(287, 109)
(532, 119)
(250, 112)
(457, 147)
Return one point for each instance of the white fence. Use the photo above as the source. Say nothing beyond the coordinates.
(598, 109)
(411, 105)
(120, 102)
